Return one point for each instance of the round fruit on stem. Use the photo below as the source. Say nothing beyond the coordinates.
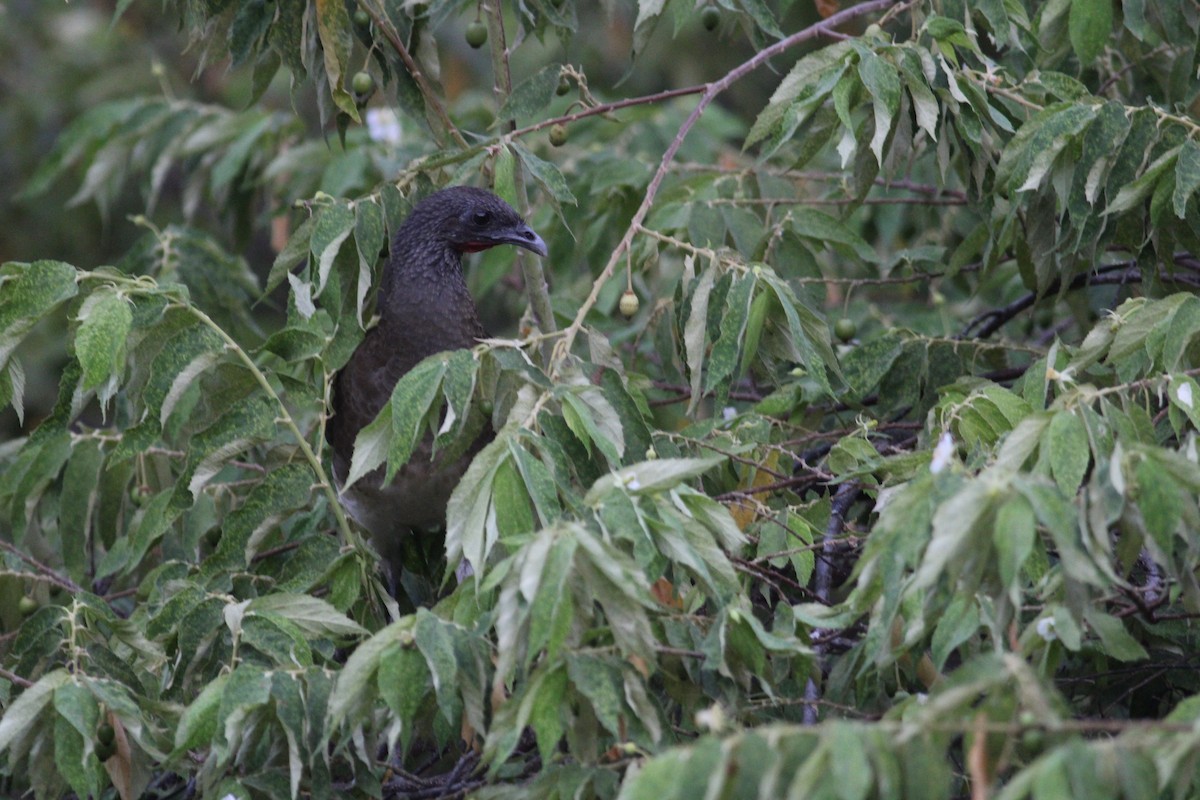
(558, 134)
(629, 304)
(710, 18)
(845, 329)
(477, 34)
(362, 83)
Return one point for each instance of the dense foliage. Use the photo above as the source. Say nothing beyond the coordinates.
(717, 550)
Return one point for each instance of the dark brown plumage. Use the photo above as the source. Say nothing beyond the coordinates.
(424, 308)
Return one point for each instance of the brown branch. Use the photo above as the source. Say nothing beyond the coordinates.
(58, 580)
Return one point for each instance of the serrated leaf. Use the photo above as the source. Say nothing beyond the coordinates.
(368, 240)
(411, 401)
(1118, 642)
(1135, 192)
(1067, 443)
(403, 682)
(724, 356)
(334, 30)
(21, 715)
(1187, 177)
(246, 422)
(105, 320)
(28, 292)
(297, 247)
(198, 723)
(531, 96)
(1013, 537)
(78, 504)
(1028, 155)
(311, 615)
(548, 176)
(1090, 26)
(467, 535)
(883, 83)
(334, 225)
(435, 643)
(648, 477)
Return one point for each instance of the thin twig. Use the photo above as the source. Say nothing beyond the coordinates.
(61, 581)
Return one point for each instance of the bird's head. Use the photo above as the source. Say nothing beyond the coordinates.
(468, 220)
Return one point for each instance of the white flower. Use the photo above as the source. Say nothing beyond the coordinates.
(942, 453)
(383, 125)
(1045, 629)
(728, 412)
(1183, 393)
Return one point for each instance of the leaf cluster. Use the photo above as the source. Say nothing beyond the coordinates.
(708, 551)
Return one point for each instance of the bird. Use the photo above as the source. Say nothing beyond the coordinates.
(424, 308)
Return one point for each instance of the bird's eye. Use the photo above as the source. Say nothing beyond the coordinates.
(482, 217)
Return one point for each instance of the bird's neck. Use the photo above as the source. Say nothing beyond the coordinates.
(424, 301)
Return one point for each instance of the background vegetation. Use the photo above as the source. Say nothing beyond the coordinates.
(886, 487)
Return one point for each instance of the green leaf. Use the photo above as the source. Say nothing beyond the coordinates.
(334, 30)
(1029, 154)
(599, 681)
(1159, 501)
(548, 176)
(297, 247)
(198, 723)
(435, 643)
(279, 494)
(957, 624)
(334, 225)
(531, 96)
(78, 505)
(1067, 444)
(312, 615)
(1013, 537)
(1187, 177)
(695, 333)
(468, 535)
(20, 718)
(649, 12)
(105, 320)
(1090, 28)
(883, 82)
(1114, 636)
(593, 419)
(1136, 191)
(412, 400)
(649, 477)
(403, 682)
(28, 292)
(368, 240)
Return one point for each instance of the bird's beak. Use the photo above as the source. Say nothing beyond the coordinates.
(523, 236)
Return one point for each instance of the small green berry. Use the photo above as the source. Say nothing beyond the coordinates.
(362, 83)
(845, 329)
(710, 17)
(558, 135)
(361, 18)
(629, 304)
(105, 734)
(105, 751)
(477, 34)
(564, 86)
(27, 605)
